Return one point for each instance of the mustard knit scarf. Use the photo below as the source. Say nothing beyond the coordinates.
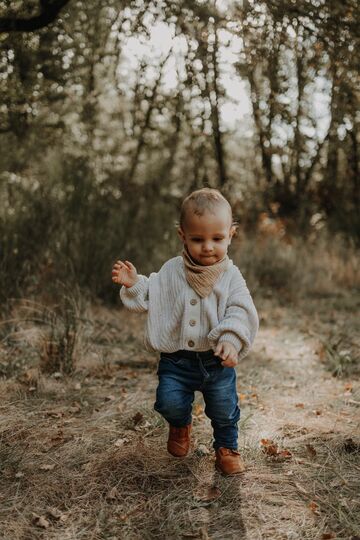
(203, 278)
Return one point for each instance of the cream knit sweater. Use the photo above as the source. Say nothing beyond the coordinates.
(179, 319)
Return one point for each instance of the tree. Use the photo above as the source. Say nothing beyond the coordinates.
(16, 22)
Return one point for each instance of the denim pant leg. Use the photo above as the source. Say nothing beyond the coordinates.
(174, 394)
(221, 406)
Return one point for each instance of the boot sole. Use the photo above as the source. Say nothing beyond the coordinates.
(228, 474)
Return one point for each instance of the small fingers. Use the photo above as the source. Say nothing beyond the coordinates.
(229, 363)
(219, 350)
(226, 351)
(130, 265)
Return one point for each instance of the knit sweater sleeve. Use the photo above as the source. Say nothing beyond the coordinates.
(136, 298)
(240, 322)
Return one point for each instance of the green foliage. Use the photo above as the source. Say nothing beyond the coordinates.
(72, 229)
(102, 134)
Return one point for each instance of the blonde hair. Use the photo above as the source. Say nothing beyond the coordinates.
(201, 201)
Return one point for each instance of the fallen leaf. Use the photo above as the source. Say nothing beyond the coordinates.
(40, 521)
(348, 387)
(54, 414)
(19, 475)
(314, 507)
(110, 398)
(271, 449)
(75, 408)
(317, 412)
(137, 418)
(311, 450)
(121, 442)
(351, 447)
(77, 386)
(299, 405)
(60, 438)
(112, 494)
(243, 397)
(143, 426)
(202, 450)
(328, 536)
(56, 514)
(47, 467)
(285, 454)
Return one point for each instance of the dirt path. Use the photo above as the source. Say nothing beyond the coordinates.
(297, 425)
(87, 453)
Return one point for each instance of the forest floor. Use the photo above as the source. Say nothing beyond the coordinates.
(84, 456)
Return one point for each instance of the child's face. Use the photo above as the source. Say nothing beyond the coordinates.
(207, 237)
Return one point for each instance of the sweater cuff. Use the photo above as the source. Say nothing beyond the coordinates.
(132, 291)
(233, 339)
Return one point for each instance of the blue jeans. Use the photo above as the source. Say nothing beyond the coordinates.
(183, 372)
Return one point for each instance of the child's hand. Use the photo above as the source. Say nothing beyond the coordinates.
(228, 354)
(124, 273)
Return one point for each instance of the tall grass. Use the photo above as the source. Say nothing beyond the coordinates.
(72, 224)
(298, 268)
(68, 222)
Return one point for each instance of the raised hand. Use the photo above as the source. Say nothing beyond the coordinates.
(124, 273)
(228, 354)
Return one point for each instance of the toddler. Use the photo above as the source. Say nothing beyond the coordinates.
(202, 320)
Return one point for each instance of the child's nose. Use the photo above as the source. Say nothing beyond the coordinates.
(208, 246)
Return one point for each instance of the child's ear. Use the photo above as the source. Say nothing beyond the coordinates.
(181, 234)
(232, 231)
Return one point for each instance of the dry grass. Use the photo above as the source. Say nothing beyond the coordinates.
(296, 268)
(83, 454)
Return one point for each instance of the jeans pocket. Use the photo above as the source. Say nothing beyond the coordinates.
(172, 359)
(217, 363)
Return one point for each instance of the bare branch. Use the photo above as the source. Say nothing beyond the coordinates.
(48, 13)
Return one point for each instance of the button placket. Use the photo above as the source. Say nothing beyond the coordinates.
(193, 319)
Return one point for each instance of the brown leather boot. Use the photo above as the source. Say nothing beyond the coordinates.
(229, 461)
(179, 440)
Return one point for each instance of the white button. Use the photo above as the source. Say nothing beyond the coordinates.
(193, 301)
(192, 322)
(191, 343)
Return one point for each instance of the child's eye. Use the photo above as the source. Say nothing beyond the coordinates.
(196, 239)
(218, 239)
